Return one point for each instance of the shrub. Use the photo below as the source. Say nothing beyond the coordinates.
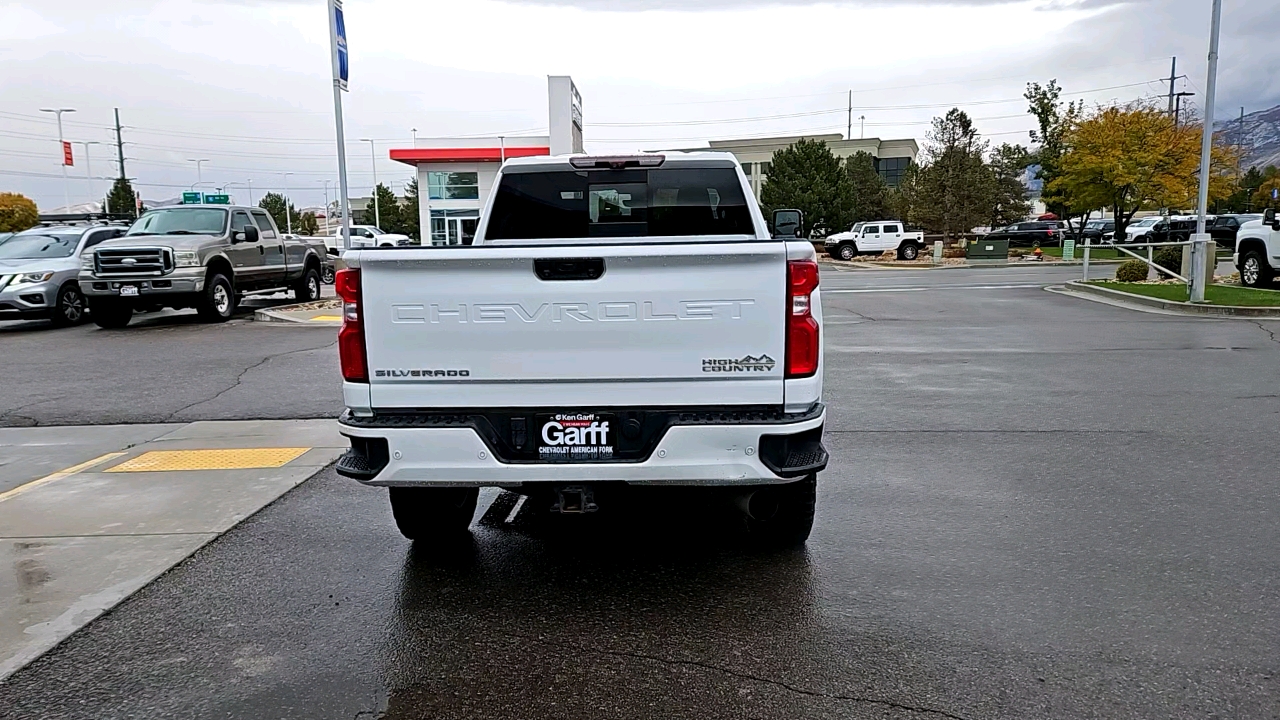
(1132, 271)
(17, 213)
(1170, 258)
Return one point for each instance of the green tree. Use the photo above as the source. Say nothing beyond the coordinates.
(121, 200)
(409, 222)
(17, 212)
(307, 224)
(807, 177)
(1134, 157)
(869, 191)
(1008, 166)
(1055, 120)
(956, 190)
(387, 212)
(276, 206)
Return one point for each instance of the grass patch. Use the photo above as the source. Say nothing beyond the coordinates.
(1214, 294)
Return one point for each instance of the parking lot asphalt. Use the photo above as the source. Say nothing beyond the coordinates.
(1037, 507)
(168, 367)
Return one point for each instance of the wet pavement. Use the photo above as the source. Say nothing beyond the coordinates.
(1037, 507)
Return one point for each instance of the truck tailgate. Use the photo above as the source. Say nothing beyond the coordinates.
(686, 324)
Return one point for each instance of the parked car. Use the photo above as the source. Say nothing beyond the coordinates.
(38, 270)
(1257, 250)
(1136, 231)
(197, 256)
(1095, 230)
(679, 346)
(5, 236)
(1035, 233)
(875, 237)
(367, 236)
(1224, 228)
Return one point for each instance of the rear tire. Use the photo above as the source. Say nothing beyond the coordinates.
(781, 516)
(847, 251)
(69, 309)
(1254, 270)
(110, 315)
(218, 302)
(908, 251)
(308, 287)
(433, 513)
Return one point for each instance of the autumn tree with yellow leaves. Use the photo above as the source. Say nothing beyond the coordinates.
(1133, 157)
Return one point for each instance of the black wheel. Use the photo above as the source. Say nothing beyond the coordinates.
(110, 314)
(70, 307)
(433, 513)
(308, 287)
(780, 516)
(1254, 270)
(847, 251)
(218, 301)
(909, 251)
(328, 275)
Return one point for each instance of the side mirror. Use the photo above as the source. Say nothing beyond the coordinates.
(788, 223)
(250, 233)
(1269, 218)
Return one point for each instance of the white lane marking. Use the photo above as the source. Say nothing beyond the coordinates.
(515, 510)
(938, 287)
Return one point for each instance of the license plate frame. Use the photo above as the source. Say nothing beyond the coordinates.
(129, 291)
(575, 436)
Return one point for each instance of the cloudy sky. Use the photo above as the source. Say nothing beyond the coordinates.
(245, 83)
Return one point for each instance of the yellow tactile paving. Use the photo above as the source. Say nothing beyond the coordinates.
(224, 459)
(325, 318)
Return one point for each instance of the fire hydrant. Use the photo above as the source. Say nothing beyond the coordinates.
(1038, 253)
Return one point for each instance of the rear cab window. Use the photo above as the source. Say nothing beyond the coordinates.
(265, 228)
(537, 203)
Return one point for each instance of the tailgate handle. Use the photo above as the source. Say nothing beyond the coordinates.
(568, 268)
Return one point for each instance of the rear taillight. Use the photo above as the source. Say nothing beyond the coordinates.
(355, 367)
(802, 327)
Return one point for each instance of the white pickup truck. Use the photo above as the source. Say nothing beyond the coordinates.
(1257, 254)
(875, 237)
(618, 320)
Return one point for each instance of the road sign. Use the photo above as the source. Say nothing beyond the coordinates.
(217, 199)
(191, 198)
(338, 37)
(1069, 249)
(66, 154)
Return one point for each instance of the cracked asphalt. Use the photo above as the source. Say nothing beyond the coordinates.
(1037, 507)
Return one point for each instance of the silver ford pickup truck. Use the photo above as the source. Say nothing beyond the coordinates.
(197, 256)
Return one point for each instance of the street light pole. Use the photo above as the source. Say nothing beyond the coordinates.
(288, 216)
(199, 171)
(326, 182)
(1202, 245)
(66, 184)
(373, 158)
(862, 127)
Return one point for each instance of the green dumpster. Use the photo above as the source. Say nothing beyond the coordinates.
(983, 249)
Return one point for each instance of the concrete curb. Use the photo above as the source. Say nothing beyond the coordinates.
(289, 314)
(1170, 306)
(967, 266)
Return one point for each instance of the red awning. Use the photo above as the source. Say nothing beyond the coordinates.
(413, 156)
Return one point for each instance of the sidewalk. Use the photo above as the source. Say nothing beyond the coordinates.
(88, 515)
(324, 313)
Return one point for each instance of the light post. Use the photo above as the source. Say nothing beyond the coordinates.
(1200, 263)
(862, 126)
(288, 216)
(62, 144)
(198, 183)
(199, 163)
(88, 166)
(373, 158)
(415, 136)
(246, 184)
(326, 204)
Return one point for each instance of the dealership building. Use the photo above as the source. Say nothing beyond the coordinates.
(455, 176)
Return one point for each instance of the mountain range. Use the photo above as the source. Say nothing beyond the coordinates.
(1260, 139)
